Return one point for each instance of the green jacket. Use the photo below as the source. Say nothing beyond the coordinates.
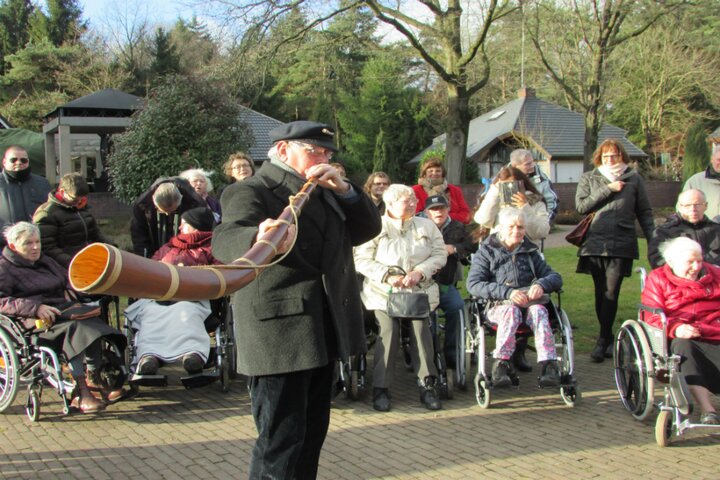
(305, 311)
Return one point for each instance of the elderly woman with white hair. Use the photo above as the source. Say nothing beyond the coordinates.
(34, 286)
(406, 254)
(687, 289)
(509, 272)
(200, 181)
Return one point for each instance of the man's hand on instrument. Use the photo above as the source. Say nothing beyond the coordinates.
(285, 242)
(328, 177)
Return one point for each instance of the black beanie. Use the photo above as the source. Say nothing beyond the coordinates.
(201, 218)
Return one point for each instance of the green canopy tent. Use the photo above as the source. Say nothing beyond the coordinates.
(33, 142)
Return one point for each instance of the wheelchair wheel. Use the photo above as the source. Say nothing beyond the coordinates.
(32, 406)
(664, 428)
(461, 367)
(633, 370)
(571, 395)
(482, 391)
(9, 376)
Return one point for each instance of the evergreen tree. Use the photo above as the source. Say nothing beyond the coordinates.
(697, 152)
(63, 21)
(14, 27)
(166, 59)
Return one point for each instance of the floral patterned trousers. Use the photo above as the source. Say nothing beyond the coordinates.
(509, 317)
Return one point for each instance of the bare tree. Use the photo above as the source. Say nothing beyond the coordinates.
(575, 40)
(447, 35)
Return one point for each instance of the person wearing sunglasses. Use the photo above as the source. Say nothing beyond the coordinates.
(65, 221)
(21, 191)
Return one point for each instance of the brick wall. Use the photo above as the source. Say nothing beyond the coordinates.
(661, 194)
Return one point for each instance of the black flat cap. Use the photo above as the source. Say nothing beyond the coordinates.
(313, 133)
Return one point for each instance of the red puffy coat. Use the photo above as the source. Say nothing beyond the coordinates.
(459, 209)
(187, 249)
(696, 302)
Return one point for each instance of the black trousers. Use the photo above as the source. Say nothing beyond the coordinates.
(292, 415)
(607, 274)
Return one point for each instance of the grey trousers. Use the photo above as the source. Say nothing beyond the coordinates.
(386, 347)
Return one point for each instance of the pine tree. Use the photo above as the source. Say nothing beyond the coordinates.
(697, 152)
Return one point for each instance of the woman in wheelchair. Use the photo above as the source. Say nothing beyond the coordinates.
(34, 286)
(168, 331)
(687, 289)
(510, 274)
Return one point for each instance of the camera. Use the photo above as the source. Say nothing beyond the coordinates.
(507, 190)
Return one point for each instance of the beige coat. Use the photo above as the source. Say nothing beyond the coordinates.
(415, 244)
(537, 220)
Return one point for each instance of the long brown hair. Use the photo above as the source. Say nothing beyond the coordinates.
(607, 145)
(512, 173)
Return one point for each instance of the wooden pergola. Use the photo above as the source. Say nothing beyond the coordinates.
(82, 129)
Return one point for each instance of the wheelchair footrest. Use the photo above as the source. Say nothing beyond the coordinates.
(199, 380)
(149, 380)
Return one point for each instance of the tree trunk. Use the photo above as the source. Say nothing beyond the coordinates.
(458, 122)
(592, 129)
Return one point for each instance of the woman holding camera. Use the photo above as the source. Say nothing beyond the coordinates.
(512, 188)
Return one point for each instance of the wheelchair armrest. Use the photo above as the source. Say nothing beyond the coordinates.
(654, 311)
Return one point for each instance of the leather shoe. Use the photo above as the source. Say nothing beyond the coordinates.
(710, 418)
(429, 395)
(192, 363)
(598, 352)
(148, 365)
(381, 399)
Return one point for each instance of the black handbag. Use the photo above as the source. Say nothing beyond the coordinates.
(408, 305)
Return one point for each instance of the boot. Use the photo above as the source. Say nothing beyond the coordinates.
(428, 394)
(521, 363)
(381, 399)
(83, 399)
(598, 352)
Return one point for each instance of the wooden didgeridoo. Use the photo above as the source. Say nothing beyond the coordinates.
(100, 268)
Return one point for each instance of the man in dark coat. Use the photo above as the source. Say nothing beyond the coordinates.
(65, 222)
(459, 245)
(302, 314)
(157, 212)
(689, 221)
(21, 191)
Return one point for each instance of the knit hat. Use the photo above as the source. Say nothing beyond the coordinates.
(201, 218)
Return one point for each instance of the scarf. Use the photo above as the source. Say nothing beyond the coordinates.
(19, 176)
(431, 189)
(612, 173)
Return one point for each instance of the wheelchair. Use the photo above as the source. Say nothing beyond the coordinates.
(221, 363)
(475, 350)
(25, 361)
(351, 378)
(642, 359)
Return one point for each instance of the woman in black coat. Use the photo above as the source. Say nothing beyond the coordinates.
(616, 194)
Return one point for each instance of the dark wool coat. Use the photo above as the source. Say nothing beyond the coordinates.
(150, 230)
(19, 200)
(305, 311)
(705, 232)
(24, 286)
(456, 234)
(495, 272)
(65, 230)
(696, 302)
(188, 249)
(612, 232)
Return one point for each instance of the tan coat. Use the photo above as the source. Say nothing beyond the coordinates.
(415, 244)
(537, 220)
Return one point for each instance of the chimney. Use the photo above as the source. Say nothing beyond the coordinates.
(526, 92)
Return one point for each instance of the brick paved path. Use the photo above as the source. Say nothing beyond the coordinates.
(173, 433)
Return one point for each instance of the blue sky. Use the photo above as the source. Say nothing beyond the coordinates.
(158, 11)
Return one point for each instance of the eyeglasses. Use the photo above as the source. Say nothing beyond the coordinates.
(610, 155)
(407, 201)
(241, 167)
(381, 184)
(16, 159)
(693, 205)
(314, 150)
